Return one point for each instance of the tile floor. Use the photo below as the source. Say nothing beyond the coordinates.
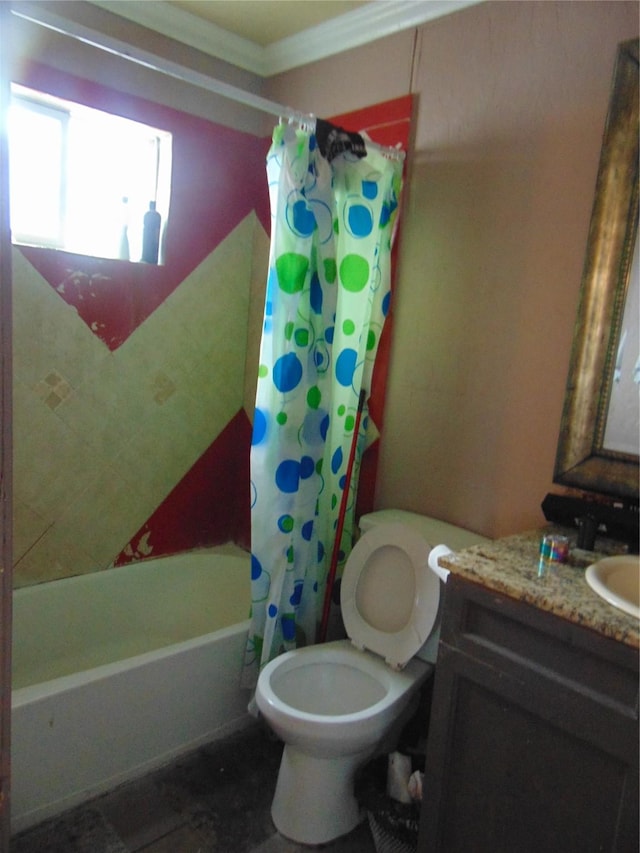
(214, 800)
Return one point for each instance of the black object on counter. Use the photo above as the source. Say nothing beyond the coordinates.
(151, 235)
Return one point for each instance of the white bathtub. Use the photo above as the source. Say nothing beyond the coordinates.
(119, 671)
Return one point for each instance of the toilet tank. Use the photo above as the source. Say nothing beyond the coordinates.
(434, 531)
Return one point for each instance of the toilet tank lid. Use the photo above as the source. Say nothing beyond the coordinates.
(435, 532)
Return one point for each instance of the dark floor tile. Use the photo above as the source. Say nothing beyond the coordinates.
(225, 790)
(83, 830)
(357, 841)
(140, 812)
(183, 840)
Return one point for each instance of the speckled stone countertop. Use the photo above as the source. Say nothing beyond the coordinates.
(510, 566)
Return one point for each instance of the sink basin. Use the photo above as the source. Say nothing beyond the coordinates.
(617, 580)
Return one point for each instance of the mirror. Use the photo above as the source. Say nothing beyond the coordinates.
(598, 444)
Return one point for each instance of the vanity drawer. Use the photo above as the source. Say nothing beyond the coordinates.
(512, 635)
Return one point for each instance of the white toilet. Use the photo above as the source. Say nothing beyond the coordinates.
(337, 704)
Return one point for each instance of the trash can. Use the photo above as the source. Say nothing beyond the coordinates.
(394, 826)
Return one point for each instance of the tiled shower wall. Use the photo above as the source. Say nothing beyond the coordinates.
(108, 426)
(102, 437)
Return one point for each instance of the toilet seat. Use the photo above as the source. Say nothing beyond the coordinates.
(389, 595)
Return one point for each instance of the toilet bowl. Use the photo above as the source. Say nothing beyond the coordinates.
(332, 705)
(337, 704)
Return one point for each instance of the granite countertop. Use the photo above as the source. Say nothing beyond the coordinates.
(510, 566)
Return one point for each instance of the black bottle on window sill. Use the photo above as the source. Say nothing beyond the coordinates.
(151, 235)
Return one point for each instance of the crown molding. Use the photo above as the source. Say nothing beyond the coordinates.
(353, 29)
(360, 26)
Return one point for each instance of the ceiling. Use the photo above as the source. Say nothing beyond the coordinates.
(271, 36)
(266, 21)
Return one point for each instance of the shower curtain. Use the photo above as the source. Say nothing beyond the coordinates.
(328, 292)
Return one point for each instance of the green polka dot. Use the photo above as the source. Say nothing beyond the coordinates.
(263, 371)
(314, 396)
(348, 327)
(319, 466)
(341, 410)
(281, 418)
(330, 270)
(354, 273)
(288, 331)
(371, 340)
(286, 524)
(290, 554)
(292, 271)
(349, 423)
(302, 337)
(334, 501)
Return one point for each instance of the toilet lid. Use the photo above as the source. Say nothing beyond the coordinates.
(389, 595)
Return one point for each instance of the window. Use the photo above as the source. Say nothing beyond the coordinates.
(81, 179)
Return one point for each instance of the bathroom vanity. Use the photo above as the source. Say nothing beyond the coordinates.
(533, 736)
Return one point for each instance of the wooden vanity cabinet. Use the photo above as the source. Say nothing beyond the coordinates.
(533, 735)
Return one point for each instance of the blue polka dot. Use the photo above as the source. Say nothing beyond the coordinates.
(272, 611)
(313, 430)
(307, 467)
(336, 460)
(324, 427)
(385, 215)
(345, 366)
(369, 189)
(256, 568)
(288, 476)
(297, 594)
(360, 220)
(315, 296)
(259, 426)
(287, 372)
(386, 302)
(272, 287)
(329, 334)
(307, 530)
(303, 222)
(288, 623)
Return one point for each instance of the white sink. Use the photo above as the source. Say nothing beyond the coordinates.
(617, 580)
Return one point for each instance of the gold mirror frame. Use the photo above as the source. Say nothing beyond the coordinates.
(582, 461)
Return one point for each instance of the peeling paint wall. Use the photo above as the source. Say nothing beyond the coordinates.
(129, 378)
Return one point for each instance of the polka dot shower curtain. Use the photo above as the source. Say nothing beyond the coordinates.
(328, 292)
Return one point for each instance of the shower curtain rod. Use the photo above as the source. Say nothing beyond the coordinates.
(52, 21)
